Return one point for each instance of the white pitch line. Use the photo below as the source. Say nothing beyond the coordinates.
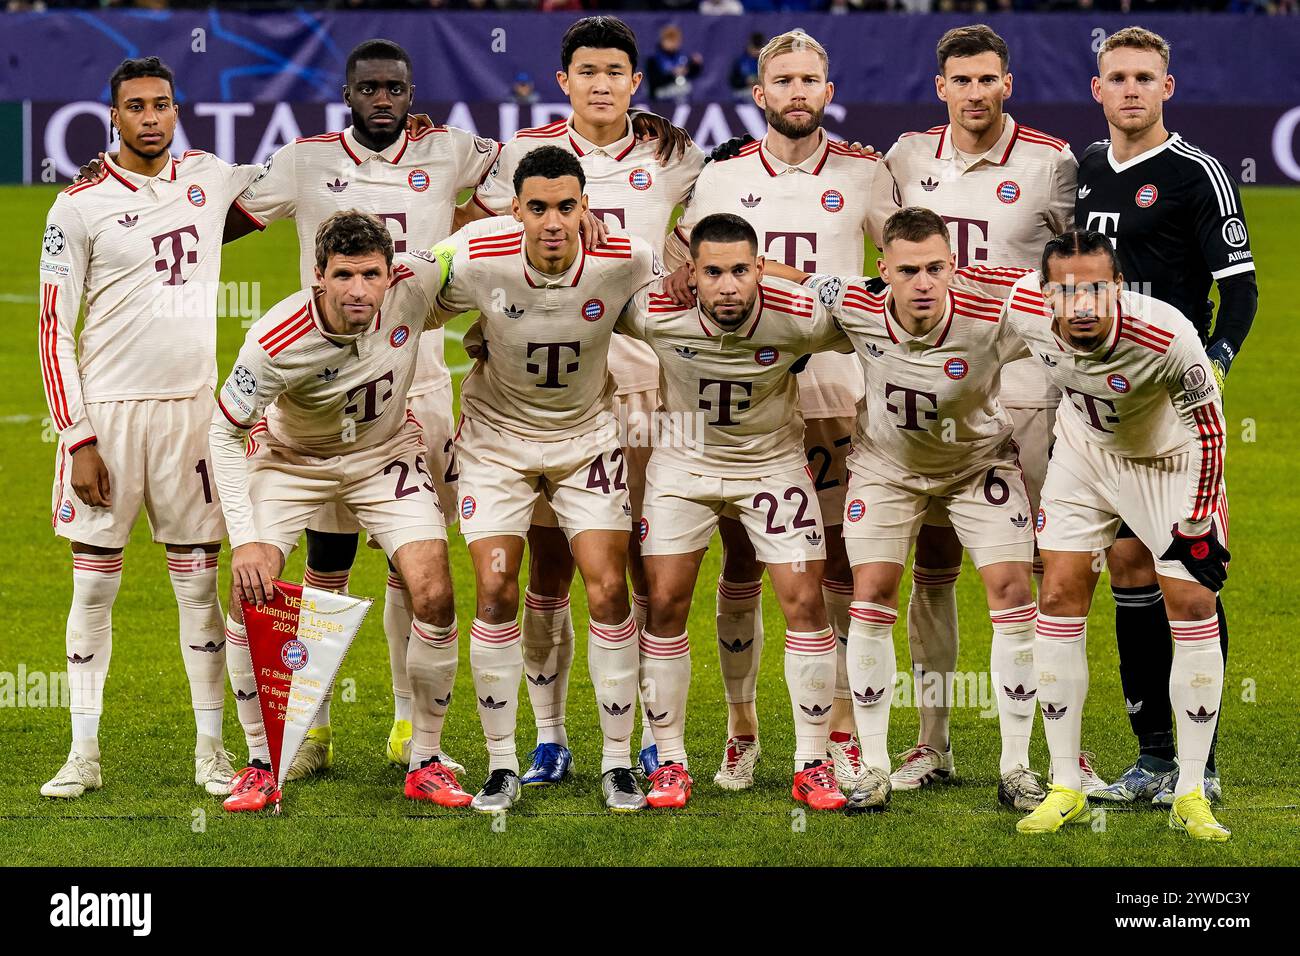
(17, 298)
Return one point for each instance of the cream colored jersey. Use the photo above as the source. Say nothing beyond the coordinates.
(1001, 208)
(547, 374)
(728, 397)
(412, 186)
(324, 395)
(931, 406)
(628, 188)
(814, 217)
(1145, 392)
(145, 253)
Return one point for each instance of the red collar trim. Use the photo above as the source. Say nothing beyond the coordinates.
(582, 264)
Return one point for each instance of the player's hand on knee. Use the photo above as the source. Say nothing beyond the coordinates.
(253, 567)
(593, 229)
(678, 285)
(1203, 556)
(90, 477)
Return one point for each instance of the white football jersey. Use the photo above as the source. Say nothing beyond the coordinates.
(627, 187)
(1146, 392)
(814, 217)
(412, 186)
(732, 405)
(547, 373)
(145, 252)
(1001, 208)
(931, 404)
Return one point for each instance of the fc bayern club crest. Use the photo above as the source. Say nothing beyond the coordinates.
(856, 509)
(1008, 191)
(956, 368)
(399, 336)
(642, 530)
(294, 655)
(196, 195)
(1146, 196)
(766, 356)
(468, 506)
(1041, 521)
(593, 310)
(640, 179)
(832, 200)
(1118, 383)
(66, 511)
(418, 180)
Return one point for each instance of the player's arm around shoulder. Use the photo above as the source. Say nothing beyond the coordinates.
(637, 319)
(271, 192)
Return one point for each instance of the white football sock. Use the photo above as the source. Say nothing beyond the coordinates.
(497, 661)
(88, 640)
(431, 657)
(202, 636)
(740, 638)
(1011, 662)
(932, 636)
(838, 597)
(872, 663)
(1196, 693)
(239, 665)
(548, 658)
(1061, 663)
(665, 683)
(810, 679)
(641, 611)
(397, 630)
(614, 662)
(325, 581)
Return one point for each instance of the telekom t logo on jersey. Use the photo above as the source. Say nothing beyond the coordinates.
(552, 350)
(726, 389)
(789, 254)
(1091, 409)
(366, 401)
(911, 409)
(172, 254)
(395, 223)
(965, 234)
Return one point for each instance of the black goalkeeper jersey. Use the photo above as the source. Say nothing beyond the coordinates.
(1175, 217)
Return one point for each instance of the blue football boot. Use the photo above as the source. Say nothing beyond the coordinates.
(551, 764)
(649, 760)
(1140, 782)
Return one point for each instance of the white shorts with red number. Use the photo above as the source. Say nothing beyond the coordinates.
(826, 442)
(502, 478)
(156, 453)
(389, 488)
(780, 513)
(988, 508)
(1089, 491)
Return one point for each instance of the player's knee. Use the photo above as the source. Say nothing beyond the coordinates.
(1062, 599)
(433, 603)
(740, 565)
(1009, 592)
(328, 551)
(806, 610)
(498, 599)
(607, 597)
(550, 574)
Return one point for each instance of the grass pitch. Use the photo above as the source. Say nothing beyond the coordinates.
(150, 813)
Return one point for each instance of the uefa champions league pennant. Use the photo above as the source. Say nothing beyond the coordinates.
(298, 642)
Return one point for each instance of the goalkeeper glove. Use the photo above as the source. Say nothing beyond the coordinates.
(1203, 557)
(799, 364)
(730, 148)
(1221, 354)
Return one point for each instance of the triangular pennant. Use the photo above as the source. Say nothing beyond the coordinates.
(298, 642)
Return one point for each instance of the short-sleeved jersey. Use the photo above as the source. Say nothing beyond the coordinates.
(325, 394)
(547, 373)
(1175, 217)
(731, 402)
(412, 186)
(145, 252)
(1145, 392)
(814, 217)
(1001, 208)
(931, 406)
(627, 187)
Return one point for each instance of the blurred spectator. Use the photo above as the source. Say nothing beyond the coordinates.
(523, 91)
(721, 7)
(744, 72)
(668, 69)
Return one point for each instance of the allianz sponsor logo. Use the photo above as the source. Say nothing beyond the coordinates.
(77, 909)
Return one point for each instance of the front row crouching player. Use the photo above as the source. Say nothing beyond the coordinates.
(331, 366)
(931, 434)
(730, 442)
(1139, 439)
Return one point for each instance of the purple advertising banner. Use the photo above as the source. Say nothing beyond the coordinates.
(1256, 144)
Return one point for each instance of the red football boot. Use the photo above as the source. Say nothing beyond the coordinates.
(670, 787)
(252, 789)
(436, 783)
(816, 787)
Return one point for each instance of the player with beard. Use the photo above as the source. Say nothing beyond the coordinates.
(812, 202)
(141, 241)
(1175, 217)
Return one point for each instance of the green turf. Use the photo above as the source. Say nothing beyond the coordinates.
(150, 812)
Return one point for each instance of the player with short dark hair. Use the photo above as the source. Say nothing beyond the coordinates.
(1176, 219)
